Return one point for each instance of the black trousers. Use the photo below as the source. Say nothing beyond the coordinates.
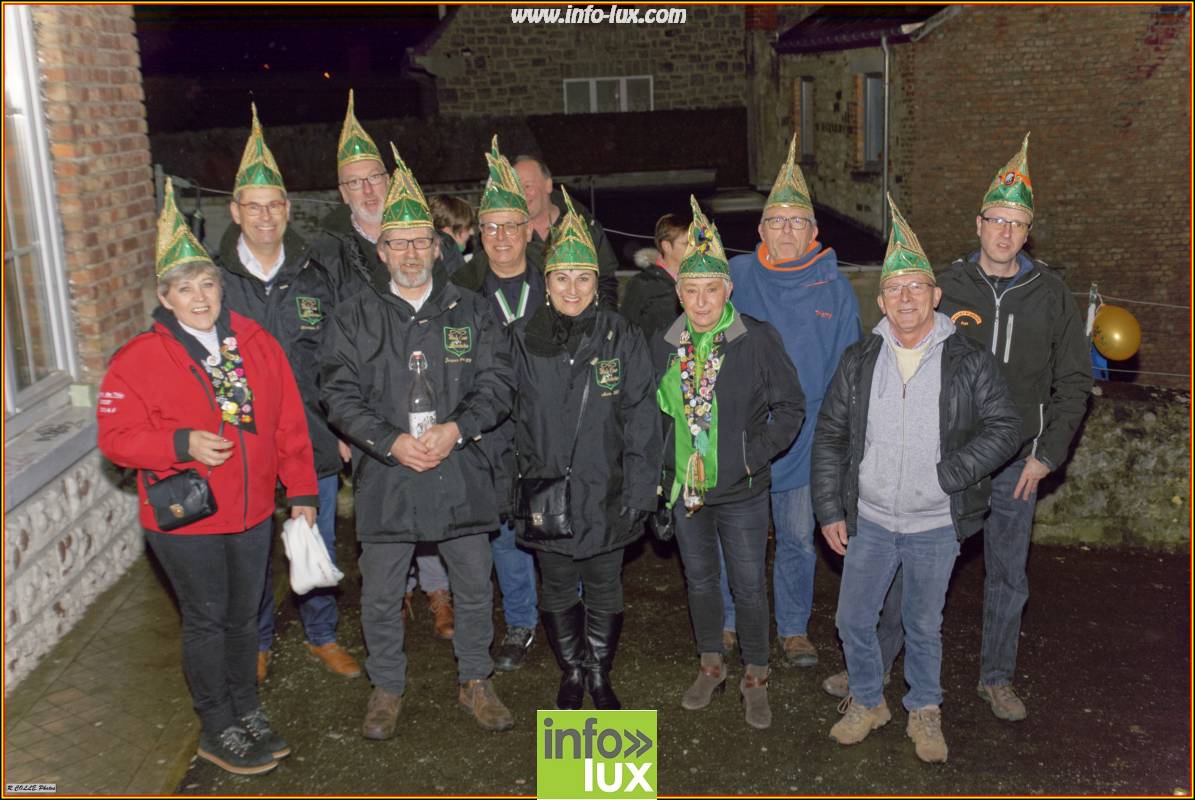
(218, 579)
(600, 577)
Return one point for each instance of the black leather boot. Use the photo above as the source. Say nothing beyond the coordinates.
(566, 634)
(602, 630)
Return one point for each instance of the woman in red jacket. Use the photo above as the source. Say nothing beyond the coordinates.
(208, 389)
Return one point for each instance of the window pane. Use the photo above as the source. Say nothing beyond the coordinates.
(874, 119)
(14, 330)
(638, 94)
(576, 97)
(609, 95)
(18, 230)
(806, 117)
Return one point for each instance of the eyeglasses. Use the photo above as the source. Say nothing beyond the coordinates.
(356, 184)
(490, 229)
(399, 245)
(915, 288)
(257, 209)
(778, 223)
(1000, 222)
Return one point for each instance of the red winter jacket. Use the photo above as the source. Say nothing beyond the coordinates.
(154, 393)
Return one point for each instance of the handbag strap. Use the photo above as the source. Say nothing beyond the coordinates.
(145, 473)
(580, 417)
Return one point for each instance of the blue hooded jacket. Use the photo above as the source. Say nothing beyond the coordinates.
(815, 309)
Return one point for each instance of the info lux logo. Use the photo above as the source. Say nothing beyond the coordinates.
(582, 754)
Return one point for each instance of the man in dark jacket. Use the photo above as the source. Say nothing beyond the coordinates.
(513, 282)
(649, 300)
(916, 418)
(545, 205)
(269, 278)
(414, 329)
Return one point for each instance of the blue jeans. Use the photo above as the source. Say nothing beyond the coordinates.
(1006, 585)
(317, 608)
(432, 576)
(792, 570)
(516, 579)
(873, 555)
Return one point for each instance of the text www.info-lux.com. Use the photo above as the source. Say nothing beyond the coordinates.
(573, 15)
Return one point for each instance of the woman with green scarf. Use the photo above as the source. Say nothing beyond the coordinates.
(735, 404)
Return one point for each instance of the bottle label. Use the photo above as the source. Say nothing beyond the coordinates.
(419, 422)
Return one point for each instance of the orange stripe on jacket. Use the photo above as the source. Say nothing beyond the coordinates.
(765, 258)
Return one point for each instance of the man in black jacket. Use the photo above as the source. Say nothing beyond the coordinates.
(269, 278)
(916, 418)
(413, 484)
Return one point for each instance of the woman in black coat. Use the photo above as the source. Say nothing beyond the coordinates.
(583, 373)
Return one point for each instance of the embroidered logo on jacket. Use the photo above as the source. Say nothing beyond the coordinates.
(822, 314)
(608, 373)
(309, 310)
(965, 318)
(458, 341)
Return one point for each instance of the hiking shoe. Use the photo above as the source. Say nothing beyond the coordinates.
(925, 729)
(440, 604)
(234, 750)
(730, 640)
(335, 658)
(479, 699)
(258, 728)
(263, 664)
(381, 714)
(711, 680)
(838, 684)
(513, 649)
(754, 690)
(798, 651)
(1004, 702)
(858, 721)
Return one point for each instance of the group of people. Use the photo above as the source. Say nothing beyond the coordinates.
(458, 388)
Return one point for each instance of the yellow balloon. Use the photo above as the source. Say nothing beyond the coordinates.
(1116, 333)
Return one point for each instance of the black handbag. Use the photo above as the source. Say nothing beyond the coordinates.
(544, 505)
(181, 499)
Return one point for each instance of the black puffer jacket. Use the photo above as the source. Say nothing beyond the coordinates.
(350, 259)
(650, 300)
(977, 419)
(757, 381)
(366, 383)
(617, 463)
(295, 311)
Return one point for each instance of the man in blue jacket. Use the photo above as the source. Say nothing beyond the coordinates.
(793, 282)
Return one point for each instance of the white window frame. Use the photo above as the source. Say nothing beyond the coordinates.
(622, 91)
(873, 118)
(42, 198)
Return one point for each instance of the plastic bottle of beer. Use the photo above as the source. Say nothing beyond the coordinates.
(422, 401)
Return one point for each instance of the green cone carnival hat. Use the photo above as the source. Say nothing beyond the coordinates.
(405, 205)
(258, 167)
(503, 191)
(569, 245)
(789, 190)
(704, 256)
(1011, 188)
(904, 256)
(176, 244)
(355, 144)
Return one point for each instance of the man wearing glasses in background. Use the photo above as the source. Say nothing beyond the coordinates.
(793, 282)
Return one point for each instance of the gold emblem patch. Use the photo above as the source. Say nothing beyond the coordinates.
(966, 318)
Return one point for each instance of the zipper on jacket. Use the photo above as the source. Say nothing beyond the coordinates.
(746, 464)
(996, 298)
(245, 477)
(1041, 426)
(1008, 338)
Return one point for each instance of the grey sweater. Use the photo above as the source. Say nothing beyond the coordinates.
(898, 478)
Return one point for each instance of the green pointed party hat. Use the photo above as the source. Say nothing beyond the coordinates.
(789, 190)
(405, 205)
(258, 167)
(503, 191)
(704, 256)
(176, 244)
(1011, 188)
(570, 246)
(905, 255)
(355, 144)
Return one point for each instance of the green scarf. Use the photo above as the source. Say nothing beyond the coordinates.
(670, 398)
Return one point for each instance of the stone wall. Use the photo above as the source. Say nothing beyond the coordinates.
(95, 115)
(62, 547)
(484, 63)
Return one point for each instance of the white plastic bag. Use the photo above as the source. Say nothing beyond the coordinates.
(310, 566)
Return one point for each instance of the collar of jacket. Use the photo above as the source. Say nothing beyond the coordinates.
(227, 324)
(292, 243)
(472, 275)
(736, 329)
(445, 294)
(1026, 266)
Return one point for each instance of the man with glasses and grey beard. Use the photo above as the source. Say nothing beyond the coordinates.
(792, 281)
(420, 480)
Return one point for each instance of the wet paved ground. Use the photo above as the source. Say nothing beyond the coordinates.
(1104, 669)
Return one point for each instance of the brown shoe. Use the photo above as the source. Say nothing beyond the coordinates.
(263, 664)
(754, 689)
(381, 714)
(711, 680)
(730, 641)
(479, 699)
(798, 651)
(440, 603)
(858, 721)
(335, 658)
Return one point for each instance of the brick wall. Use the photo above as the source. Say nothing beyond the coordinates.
(485, 64)
(93, 102)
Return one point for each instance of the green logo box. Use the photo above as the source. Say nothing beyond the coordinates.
(587, 753)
